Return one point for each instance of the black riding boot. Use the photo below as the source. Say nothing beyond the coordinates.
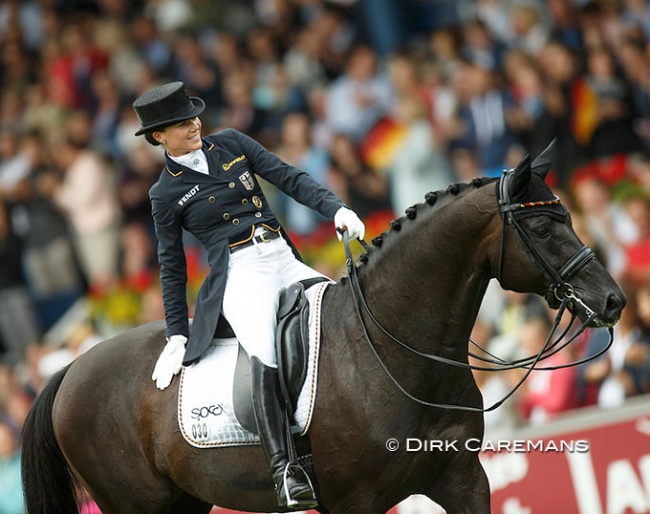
(271, 423)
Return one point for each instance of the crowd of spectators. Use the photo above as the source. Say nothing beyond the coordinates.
(381, 101)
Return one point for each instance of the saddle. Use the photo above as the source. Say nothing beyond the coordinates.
(292, 349)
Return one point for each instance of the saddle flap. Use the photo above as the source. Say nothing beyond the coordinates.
(292, 342)
(290, 298)
(241, 392)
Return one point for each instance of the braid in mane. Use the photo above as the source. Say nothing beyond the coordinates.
(430, 200)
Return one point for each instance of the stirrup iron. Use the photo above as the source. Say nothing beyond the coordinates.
(291, 502)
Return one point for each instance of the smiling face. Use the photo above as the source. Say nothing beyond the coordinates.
(181, 138)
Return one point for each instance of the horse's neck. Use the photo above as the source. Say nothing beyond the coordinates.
(427, 281)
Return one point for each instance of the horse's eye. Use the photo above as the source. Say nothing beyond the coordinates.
(541, 231)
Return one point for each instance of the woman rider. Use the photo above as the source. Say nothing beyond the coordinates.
(209, 187)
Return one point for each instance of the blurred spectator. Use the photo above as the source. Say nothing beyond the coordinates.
(546, 393)
(632, 58)
(481, 47)
(514, 309)
(384, 22)
(40, 114)
(302, 61)
(445, 45)
(18, 324)
(494, 385)
(49, 259)
(321, 132)
(152, 305)
(418, 164)
(14, 164)
(405, 72)
(73, 68)
(636, 14)
(16, 75)
(295, 148)
(11, 491)
(592, 373)
(152, 47)
(240, 112)
(638, 171)
(560, 67)
(339, 35)
(565, 26)
(190, 64)
(127, 66)
(138, 260)
(628, 371)
(170, 15)
(357, 185)
(359, 97)
(465, 164)
(140, 171)
(640, 358)
(25, 19)
(637, 255)
(494, 14)
(606, 221)
(87, 195)
(604, 108)
(272, 91)
(527, 89)
(481, 123)
(106, 115)
(528, 28)
(441, 100)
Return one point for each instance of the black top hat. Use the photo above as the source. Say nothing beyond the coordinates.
(166, 105)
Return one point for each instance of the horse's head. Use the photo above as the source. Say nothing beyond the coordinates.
(540, 252)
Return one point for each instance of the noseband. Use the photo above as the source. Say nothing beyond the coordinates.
(560, 288)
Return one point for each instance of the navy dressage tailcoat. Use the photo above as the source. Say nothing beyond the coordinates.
(224, 206)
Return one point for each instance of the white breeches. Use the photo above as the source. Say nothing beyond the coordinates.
(250, 302)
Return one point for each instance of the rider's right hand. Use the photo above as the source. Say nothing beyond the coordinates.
(170, 361)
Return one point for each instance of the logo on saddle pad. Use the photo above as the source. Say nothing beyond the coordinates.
(204, 412)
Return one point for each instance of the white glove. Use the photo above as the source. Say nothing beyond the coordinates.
(345, 218)
(170, 361)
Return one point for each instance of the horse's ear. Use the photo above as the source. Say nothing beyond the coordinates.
(520, 178)
(542, 162)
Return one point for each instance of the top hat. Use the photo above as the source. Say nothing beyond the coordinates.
(164, 106)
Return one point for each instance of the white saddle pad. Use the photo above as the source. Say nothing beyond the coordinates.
(205, 406)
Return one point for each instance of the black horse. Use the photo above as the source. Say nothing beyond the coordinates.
(102, 421)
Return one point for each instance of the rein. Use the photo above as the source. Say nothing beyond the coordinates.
(560, 291)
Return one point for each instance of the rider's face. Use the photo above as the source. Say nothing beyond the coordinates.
(181, 138)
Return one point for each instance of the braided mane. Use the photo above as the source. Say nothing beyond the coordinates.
(432, 200)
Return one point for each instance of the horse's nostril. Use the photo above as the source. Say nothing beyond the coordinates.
(614, 306)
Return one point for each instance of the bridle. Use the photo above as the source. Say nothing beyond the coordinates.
(560, 288)
(560, 293)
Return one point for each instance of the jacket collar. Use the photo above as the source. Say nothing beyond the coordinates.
(177, 170)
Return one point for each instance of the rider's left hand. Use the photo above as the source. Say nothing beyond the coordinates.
(346, 218)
